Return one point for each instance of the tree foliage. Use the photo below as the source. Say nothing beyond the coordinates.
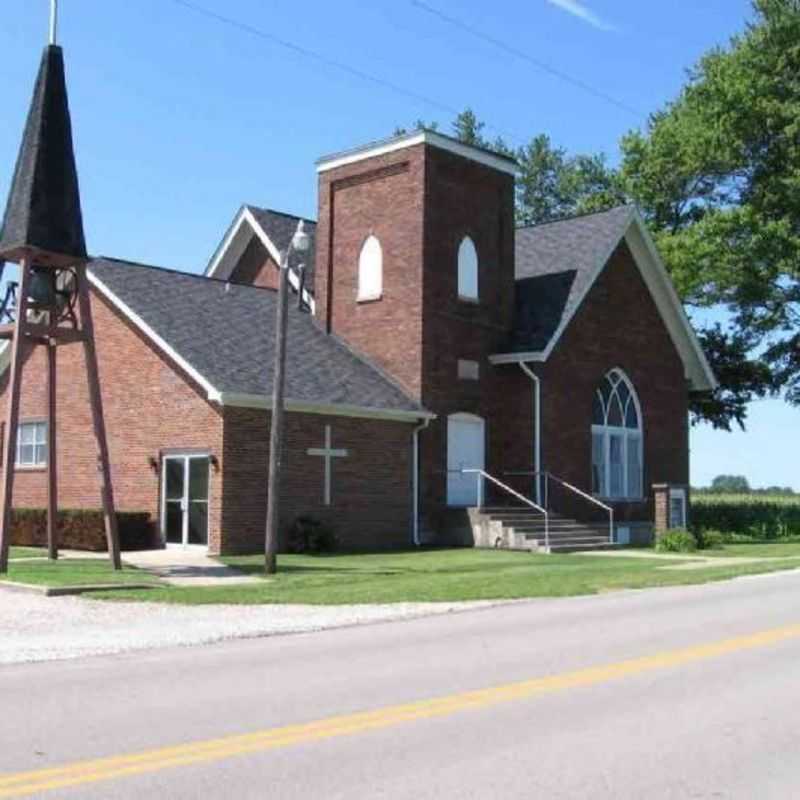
(716, 174)
(730, 484)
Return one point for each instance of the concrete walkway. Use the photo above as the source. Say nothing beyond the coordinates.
(188, 567)
(689, 561)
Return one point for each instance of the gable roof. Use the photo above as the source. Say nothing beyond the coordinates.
(274, 229)
(557, 263)
(223, 336)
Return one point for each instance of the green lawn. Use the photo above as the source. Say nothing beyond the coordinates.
(441, 575)
(73, 572)
(26, 552)
(758, 549)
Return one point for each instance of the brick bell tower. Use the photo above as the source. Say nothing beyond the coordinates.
(415, 269)
(43, 233)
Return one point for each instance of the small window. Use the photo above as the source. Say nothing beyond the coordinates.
(370, 270)
(32, 444)
(468, 370)
(467, 270)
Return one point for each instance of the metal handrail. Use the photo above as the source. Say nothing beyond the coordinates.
(483, 475)
(577, 491)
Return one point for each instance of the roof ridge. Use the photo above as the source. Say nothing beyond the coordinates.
(630, 206)
(182, 273)
(263, 209)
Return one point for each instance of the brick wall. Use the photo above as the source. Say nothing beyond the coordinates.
(371, 487)
(464, 198)
(618, 325)
(421, 202)
(256, 267)
(382, 196)
(148, 404)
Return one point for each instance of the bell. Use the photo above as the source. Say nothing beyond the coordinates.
(42, 290)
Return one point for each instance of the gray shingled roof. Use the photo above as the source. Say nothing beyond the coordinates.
(280, 228)
(555, 262)
(226, 332)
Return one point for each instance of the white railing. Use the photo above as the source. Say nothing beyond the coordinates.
(549, 475)
(482, 475)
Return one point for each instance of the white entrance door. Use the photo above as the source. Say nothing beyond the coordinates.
(465, 450)
(184, 500)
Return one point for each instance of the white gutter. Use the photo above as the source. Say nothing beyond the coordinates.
(537, 425)
(415, 479)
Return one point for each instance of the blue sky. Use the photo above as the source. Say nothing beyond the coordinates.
(180, 118)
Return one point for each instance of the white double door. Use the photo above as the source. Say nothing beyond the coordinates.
(184, 499)
(466, 435)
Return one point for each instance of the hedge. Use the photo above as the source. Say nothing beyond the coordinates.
(759, 516)
(83, 529)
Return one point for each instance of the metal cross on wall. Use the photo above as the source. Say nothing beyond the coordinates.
(328, 453)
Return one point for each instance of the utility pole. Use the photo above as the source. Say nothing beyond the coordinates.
(300, 242)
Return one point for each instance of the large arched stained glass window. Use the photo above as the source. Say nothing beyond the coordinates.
(617, 469)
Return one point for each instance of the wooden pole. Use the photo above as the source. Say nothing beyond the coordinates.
(96, 402)
(18, 352)
(52, 456)
(276, 425)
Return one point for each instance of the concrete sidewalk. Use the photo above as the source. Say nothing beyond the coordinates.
(187, 567)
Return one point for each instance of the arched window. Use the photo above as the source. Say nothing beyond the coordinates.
(617, 470)
(467, 270)
(370, 270)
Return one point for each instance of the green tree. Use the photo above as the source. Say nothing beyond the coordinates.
(730, 484)
(717, 174)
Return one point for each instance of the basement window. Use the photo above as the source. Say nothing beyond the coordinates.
(32, 444)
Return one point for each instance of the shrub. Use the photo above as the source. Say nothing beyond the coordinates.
(309, 535)
(751, 515)
(711, 540)
(83, 529)
(676, 540)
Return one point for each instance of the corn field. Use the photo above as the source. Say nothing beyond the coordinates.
(762, 516)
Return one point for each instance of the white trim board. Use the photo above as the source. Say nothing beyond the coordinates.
(236, 242)
(261, 401)
(382, 148)
(661, 289)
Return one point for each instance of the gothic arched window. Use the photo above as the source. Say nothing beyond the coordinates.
(617, 469)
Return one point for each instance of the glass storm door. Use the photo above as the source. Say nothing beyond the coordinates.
(184, 515)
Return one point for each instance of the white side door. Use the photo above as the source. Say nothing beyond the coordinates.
(465, 450)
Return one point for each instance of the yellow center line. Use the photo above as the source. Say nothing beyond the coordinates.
(104, 769)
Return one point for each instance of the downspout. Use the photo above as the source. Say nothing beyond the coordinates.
(537, 426)
(415, 479)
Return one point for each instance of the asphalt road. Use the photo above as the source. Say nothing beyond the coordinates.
(677, 693)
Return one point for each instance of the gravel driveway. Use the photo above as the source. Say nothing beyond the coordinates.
(34, 628)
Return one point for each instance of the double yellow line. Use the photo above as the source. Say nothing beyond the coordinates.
(105, 769)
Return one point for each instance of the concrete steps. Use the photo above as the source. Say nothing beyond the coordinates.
(520, 528)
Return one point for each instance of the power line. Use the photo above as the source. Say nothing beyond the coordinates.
(557, 73)
(325, 60)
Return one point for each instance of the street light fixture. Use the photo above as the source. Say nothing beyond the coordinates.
(301, 242)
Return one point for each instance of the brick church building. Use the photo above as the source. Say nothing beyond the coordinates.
(427, 335)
